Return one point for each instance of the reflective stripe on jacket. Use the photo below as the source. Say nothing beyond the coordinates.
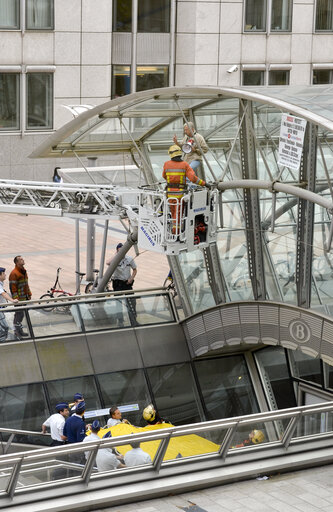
(175, 174)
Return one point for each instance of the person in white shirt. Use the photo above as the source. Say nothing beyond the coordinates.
(4, 297)
(136, 456)
(56, 424)
(116, 417)
(95, 428)
(106, 460)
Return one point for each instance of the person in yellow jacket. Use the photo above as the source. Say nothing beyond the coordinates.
(175, 172)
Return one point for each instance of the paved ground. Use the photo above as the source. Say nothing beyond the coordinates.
(309, 490)
(47, 243)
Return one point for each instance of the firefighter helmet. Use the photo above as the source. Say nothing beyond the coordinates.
(257, 436)
(174, 151)
(149, 413)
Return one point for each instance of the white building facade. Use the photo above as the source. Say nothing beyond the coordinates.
(56, 53)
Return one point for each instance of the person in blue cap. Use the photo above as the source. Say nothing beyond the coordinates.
(95, 428)
(75, 427)
(56, 423)
(78, 397)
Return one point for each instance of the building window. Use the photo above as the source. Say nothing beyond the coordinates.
(153, 15)
(254, 77)
(255, 15)
(39, 14)
(151, 77)
(324, 15)
(9, 14)
(278, 77)
(322, 76)
(39, 101)
(9, 101)
(121, 81)
(122, 16)
(281, 14)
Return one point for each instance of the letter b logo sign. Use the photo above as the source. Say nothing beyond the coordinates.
(299, 331)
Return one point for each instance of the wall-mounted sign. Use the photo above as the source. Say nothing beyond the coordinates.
(291, 141)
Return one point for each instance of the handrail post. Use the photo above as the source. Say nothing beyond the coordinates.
(14, 478)
(288, 433)
(226, 441)
(9, 442)
(158, 459)
(86, 474)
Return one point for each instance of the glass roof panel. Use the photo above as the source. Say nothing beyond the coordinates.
(215, 109)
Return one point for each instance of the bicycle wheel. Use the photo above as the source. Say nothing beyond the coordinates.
(88, 288)
(61, 307)
(47, 296)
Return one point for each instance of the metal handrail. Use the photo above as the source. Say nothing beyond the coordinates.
(225, 451)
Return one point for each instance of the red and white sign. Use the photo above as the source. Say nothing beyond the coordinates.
(291, 141)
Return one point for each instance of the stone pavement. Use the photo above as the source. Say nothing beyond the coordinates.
(309, 490)
(47, 243)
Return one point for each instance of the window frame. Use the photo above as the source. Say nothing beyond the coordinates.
(267, 17)
(19, 18)
(322, 30)
(50, 95)
(43, 29)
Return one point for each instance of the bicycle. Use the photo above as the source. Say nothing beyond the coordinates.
(56, 292)
(92, 286)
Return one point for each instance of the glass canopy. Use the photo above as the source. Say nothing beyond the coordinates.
(271, 245)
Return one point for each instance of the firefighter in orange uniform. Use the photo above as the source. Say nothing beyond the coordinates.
(175, 172)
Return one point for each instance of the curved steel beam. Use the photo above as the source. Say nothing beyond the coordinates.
(277, 186)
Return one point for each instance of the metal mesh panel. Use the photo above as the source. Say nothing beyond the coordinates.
(249, 316)
(269, 324)
(231, 325)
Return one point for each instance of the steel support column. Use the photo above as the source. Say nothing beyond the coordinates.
(215, 274)
(181, 288)
(251, 203)
(305, 219)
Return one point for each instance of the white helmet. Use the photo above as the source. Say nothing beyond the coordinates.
(149, 413)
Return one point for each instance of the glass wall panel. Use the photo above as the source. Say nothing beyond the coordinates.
(329, 376)
(39, 100)
(154, 16)
(322, 264)
(65, 389)
(322, 76)
(232, 249)
(305, 367)
(255, 15)
(122, 16)
(276, 379)
(9, 14)
(9, 101)
(55, 321)
(121, 81)
(151, 77)
(281, 15)
(196, 280)
(175, 393)
(278, 77)
(226, 387)
(125, 388)
(39, 14)
(23, 407)
(324, 15)
(255, 77)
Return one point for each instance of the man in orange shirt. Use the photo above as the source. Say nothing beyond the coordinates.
(19, 288)
(175, 172)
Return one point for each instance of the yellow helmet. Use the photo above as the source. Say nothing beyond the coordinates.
(149, 413)
(174, 151)
(257, 436)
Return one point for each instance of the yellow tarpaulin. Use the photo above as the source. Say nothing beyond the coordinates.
(183, 446)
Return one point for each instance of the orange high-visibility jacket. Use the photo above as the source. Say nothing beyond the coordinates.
(175, 173)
